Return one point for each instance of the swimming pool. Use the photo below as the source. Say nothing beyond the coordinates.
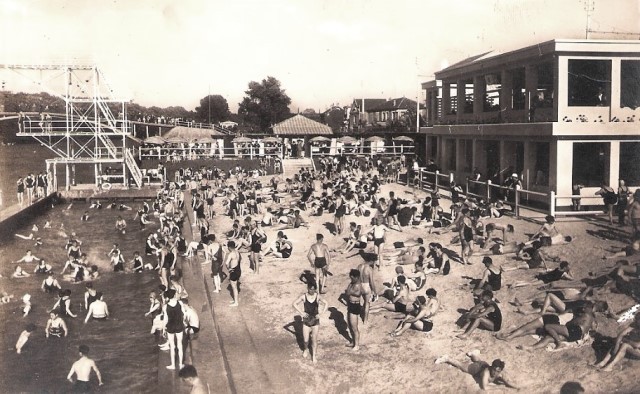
(122, 347)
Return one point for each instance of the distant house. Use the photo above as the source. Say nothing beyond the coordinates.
(392, 110)
(358, 115)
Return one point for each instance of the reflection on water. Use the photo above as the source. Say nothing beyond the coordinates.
(122, 347)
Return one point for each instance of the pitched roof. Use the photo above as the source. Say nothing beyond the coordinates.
(368, 103)
(301, 125)
(191, 133)
(393, 104)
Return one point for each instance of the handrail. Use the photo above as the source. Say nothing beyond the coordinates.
(133, 167)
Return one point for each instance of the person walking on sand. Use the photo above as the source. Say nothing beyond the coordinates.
(312, 307)
(82, 369)
(610, 198)
(353, 295)
(232, 261)
(320, 259)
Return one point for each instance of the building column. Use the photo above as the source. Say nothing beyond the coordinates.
(614, 164)
(479, 90)
(446, 98)
(531, 86)
(616, 84)
(506, 93)
(460, 96)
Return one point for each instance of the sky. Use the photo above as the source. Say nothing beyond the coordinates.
(324, 52)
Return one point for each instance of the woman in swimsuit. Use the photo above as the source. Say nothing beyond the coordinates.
(481, 371)
(379, 232)
(55, 326)
(427, 307)
(485, 315)
(50, 284)
(312, 307)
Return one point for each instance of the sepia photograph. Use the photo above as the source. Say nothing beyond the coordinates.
(315, 196)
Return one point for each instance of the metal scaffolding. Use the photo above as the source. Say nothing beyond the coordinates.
(86, 132)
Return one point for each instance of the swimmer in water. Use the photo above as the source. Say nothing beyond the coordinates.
(85, 216)
(19, 273)
(24, 337)
(121, 225)
(26, 305)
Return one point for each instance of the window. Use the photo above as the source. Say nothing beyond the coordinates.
(545, 90)
(590, 163)
(518, 91)
(453, 99)
(630, 163)
(493, 84)
(589, 82)
(541, 166)
(630, 84)
(432, 145)
(468, 96)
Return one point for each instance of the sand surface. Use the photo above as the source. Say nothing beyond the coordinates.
(404, 364)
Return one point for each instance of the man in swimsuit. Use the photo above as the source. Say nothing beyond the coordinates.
(232, 261)
(366, 276)
(312, 307)
(392, 212)
(189, 374)
(481, 371)
(97, 309)
(379, 231)
(353, 295)
(320, 259)
(82, 369)
(573, 331)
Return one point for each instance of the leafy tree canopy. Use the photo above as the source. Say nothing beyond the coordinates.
(213, 109)
(265, 104)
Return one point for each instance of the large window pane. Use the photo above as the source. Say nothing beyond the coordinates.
(545, 88)
(493, 84)
(589, 82)
(630, 163)
(542, 164)
(590, 163)
(630, 84)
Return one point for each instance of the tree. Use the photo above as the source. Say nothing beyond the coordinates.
(265, 104)
(334, 117)
(213, 109)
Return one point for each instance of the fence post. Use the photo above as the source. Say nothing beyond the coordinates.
(450, 178)
(517, 207)
(435, 186)
(420, 178)
(466, 187)
(488, 190)
(552, 203)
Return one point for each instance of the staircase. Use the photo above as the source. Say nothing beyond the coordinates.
(133, 167)
(290, 167)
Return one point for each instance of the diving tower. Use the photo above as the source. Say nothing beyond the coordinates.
(92, 131)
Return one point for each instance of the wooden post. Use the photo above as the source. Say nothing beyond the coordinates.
(516, 209)
(488, 190)
(435, 186)
(552, 203)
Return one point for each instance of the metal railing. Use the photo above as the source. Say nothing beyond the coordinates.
(165, 153)
(133, 167)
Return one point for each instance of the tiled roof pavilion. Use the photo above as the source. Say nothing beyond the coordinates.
(301, 125)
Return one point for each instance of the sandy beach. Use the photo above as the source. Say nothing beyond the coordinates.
(385, 364)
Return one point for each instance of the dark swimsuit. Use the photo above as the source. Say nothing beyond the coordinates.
(311, 311)
(575, 332)
(320, 262)
(175, 319)
(354, 308)
(495, 317)
(495, 280)
(235, 273)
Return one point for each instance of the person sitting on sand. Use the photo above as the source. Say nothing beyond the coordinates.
(20, 273)
(481, 371)
(491, 276)
(437, 260)
(627, 344)
(419, 319)
(486, 314)
(400, 303)
(282, 247)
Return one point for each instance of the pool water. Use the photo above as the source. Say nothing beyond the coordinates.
(122, 347)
